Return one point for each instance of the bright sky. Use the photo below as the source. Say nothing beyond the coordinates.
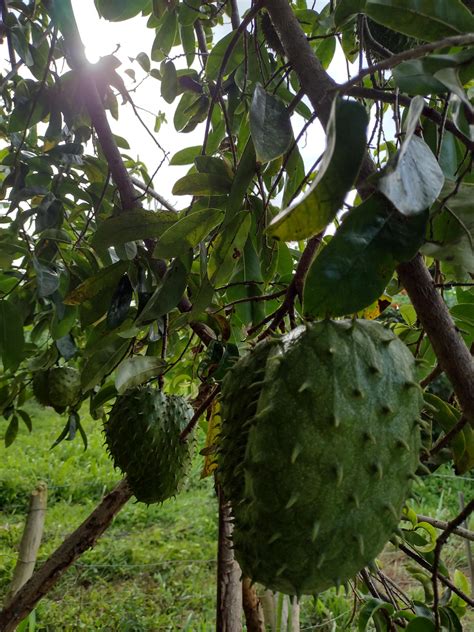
(102, 38)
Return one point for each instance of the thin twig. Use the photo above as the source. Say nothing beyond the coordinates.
(442, 524)
(199, 411)
(402, 99)
(414, 53)
(295, 289)
(446, 440)
(444, 580)
(154, 194)
(441, 541)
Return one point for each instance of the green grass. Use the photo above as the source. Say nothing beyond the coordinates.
(154, 568)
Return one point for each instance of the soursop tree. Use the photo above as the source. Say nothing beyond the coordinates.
(321, 305)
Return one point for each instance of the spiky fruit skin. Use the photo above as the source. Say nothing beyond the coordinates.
(327, 457)
(142, 434)
(392, 41)
(58, 387)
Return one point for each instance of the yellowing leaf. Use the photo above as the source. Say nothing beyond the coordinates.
(373, 311)
(213, 430)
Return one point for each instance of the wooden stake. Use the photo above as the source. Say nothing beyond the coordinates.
(30, 541)
(84, 537)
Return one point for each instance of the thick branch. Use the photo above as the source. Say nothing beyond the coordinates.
(83, 538)
(452, 353)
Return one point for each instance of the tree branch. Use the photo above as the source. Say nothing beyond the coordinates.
(402, 99)
(453, 355)
(444, 580)
(442, 524)
(413, 53)
(440, 542)
(83, 538)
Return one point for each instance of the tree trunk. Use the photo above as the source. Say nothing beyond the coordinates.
(229, 588)
(30, 541)
(253, 608)
(73, 546)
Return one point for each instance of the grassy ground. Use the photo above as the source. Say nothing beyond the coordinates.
(154, 569)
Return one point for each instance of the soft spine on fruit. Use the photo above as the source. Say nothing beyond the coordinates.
(320, 444)
(142, 435)
(58, 387)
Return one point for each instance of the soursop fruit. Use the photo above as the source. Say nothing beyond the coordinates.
(320, 444)
(58, 387)
(142, 434)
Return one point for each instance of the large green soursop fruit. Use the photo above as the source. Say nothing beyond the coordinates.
(142, 434)
(319, 446)
(58, 387)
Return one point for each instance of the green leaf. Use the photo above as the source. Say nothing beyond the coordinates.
(345, 149)
(228, 247)
(270, 125)
(243, 177)
(420, 624)
(104, 279)
(353, 270)
(345, 9)
(12, 431)
(217, 166)
(144, 61)
(187, 233)
(169, 81)
(202, 184)
(11, 335)
(422, 76)
(371, 606)
(428, 20)
(117, 10)
(132, 226)
(120, 304)
(189, 12)
(63, 321)
(47, 279)
(102, 363)
(188, 41)
(185, 156)
(26, 419)
(168, 295)
(135, 371)
(413, 179)
(165, 36)
(27, 114)
(218, 53)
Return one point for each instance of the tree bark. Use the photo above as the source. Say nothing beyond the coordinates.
(83, 538)
(453, 355)
(229, 588)
(253, 609)
(30, 541)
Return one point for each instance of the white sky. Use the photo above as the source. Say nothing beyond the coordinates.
(102, 38)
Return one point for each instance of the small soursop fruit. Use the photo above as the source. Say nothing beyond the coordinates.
(318, 452)
(58, 387)
(143, 437)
